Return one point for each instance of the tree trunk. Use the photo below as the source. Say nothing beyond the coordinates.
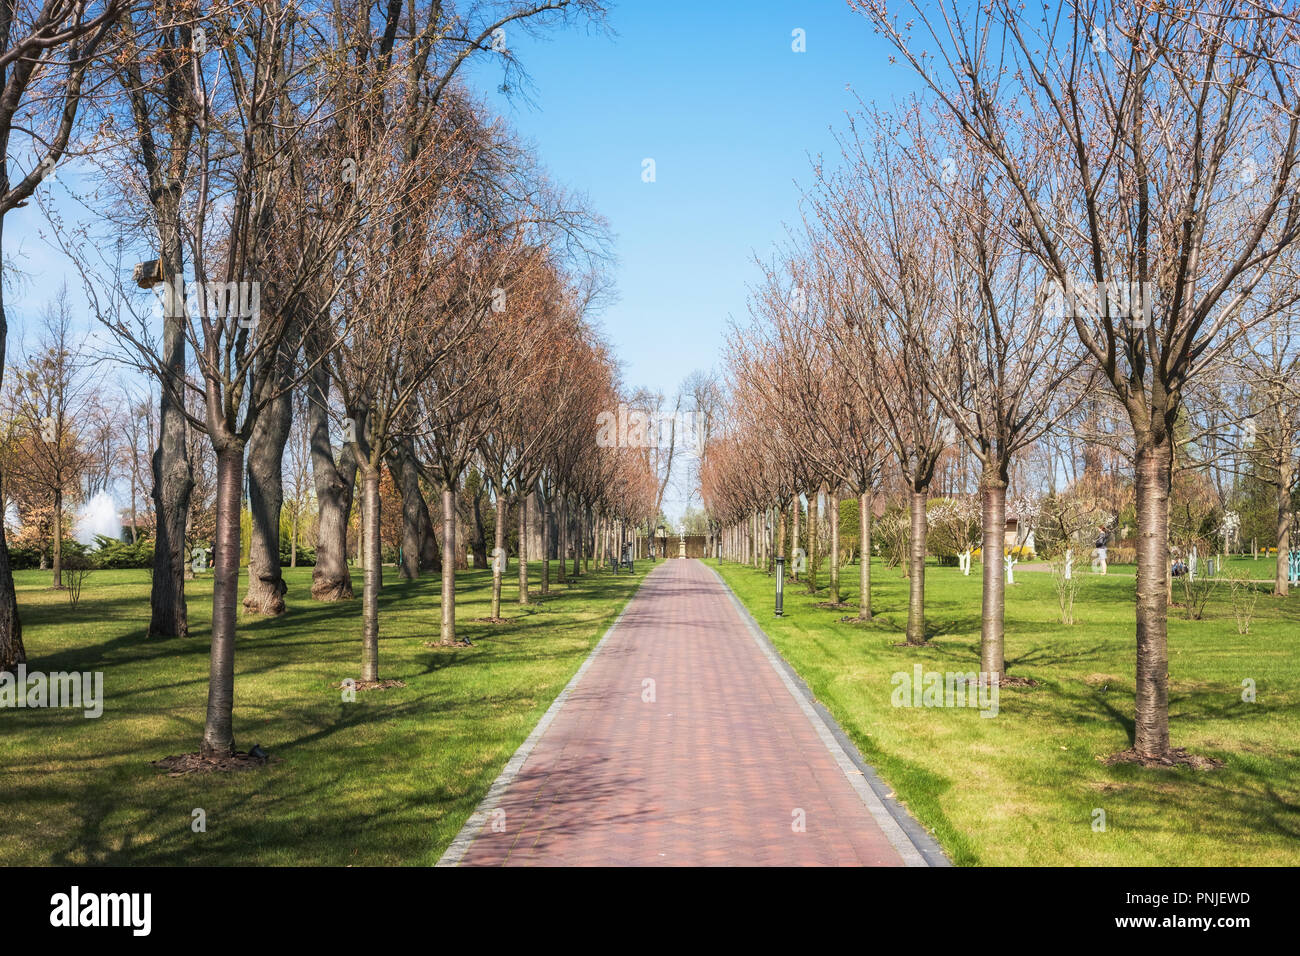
(1153, 473)
(546, 547)
(916, 568)
(266, 586)
(993, 524)
(448, 565)
(588, 538)
(864, 563)
(523, 547)
(430, 550)
(12, 652)
(833, 503)
(794, 544)
(173, 477)
(562, 547)
(372, 572)
(499, 551)
(135, 534)
(56, 552)
(401, 463)
(577, 540)
(478, 543)
(218, 728)
(330, 578)
(813, 530)
(767, 541)
(1281, 579)
(780, 537)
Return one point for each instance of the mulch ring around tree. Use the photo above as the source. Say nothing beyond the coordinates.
(1178, 757)
(454, 645)
(369, 684)
(1008, 681)
(179, 765)
(921, 644)
(491, 620)
(832, 606)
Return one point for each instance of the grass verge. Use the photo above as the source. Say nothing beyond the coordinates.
(1025, 787)
(389, 779)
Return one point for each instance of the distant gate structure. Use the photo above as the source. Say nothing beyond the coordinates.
(697, 545)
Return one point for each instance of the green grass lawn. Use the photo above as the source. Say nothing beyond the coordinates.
(1022, 788)
(388, 779)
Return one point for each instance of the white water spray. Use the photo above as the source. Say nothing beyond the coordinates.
(98, 516)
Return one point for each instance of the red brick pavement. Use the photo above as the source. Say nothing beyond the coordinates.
(709, 773)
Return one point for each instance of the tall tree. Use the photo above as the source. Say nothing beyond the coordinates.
(257, 273)
(46, 49)
(877, 212)
(1142, 122)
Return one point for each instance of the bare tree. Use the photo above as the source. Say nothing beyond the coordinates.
(53, 398)
(46, 49)
(258, 277)
(1153, 152)
(877, 213)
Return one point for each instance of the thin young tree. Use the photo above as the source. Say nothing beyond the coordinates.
(53, 398)
(876, 215)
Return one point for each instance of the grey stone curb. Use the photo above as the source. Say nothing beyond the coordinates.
(912, 841)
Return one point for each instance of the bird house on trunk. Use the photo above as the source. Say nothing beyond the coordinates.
(148, 274)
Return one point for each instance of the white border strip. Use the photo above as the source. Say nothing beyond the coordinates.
(884, 819)
(460, 846)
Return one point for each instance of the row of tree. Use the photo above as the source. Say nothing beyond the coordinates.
(326, 221)
(1085, 222)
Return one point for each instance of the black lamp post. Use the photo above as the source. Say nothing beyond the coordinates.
(780, 585)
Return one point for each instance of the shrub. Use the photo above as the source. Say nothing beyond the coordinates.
(1197, 592)
(954, 526)
(1121, 555)
(24, 558)
(1245, 595)
(306, 556)
(1067, 589)
(890, 536)
(28, 557)
(113, 554)
(75, 571)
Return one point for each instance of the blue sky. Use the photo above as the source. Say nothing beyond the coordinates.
(730, 114)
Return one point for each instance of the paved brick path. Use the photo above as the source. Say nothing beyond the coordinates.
(711, 772)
